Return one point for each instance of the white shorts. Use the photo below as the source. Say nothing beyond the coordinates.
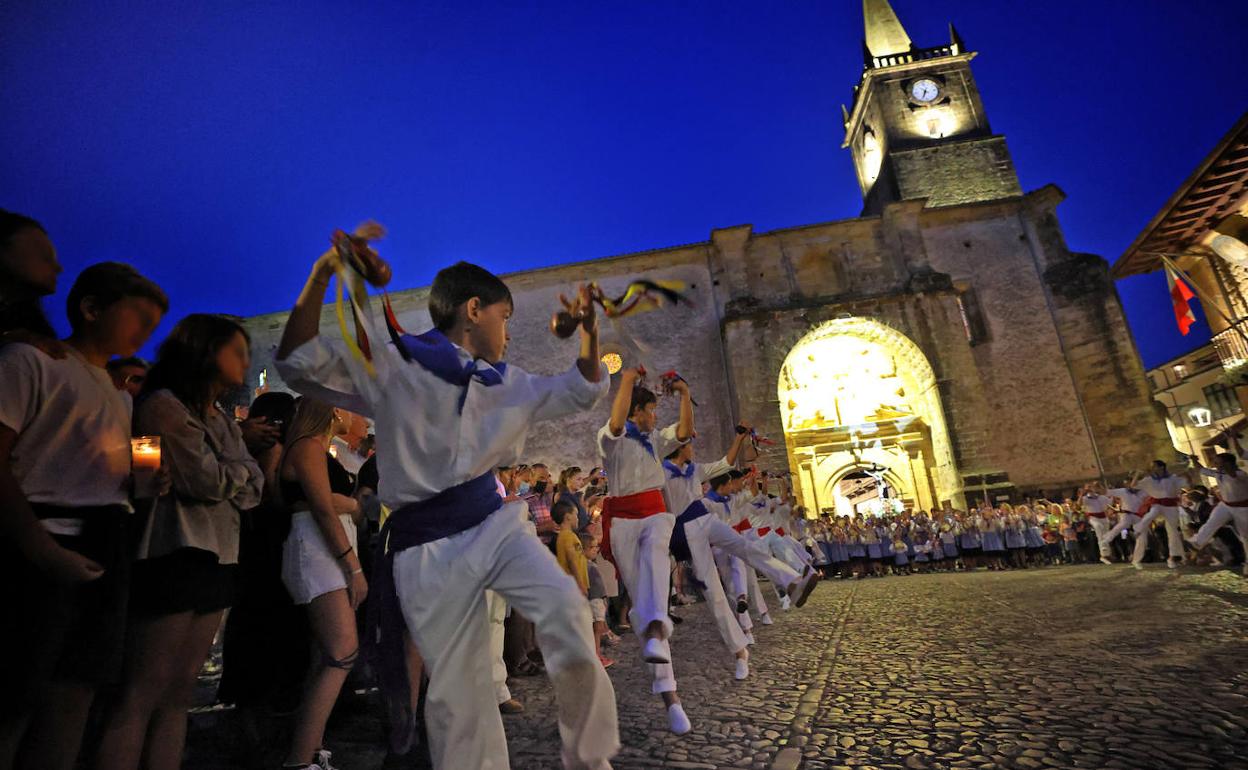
(598, 607)
(309, 570)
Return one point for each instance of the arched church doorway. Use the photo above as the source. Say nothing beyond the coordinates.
(863, 423)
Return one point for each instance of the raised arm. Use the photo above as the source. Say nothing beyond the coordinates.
(304, 322)
(588, 362)
(623, 399)
(684, 428)
(738, 441)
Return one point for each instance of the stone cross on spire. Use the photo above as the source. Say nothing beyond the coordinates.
(885, 35)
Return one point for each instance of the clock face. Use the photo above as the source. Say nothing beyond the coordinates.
(924, 90)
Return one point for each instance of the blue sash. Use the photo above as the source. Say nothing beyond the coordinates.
(447, 513)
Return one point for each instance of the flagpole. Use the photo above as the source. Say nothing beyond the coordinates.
(1165, 258)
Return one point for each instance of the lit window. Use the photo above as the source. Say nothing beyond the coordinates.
(614, 362)
(1180, 371)
(1200, 417)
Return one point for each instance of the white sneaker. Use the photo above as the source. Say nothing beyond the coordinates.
(1172, 563)
(802, 587)
(654, 652)
(743, 668)
(785, 604)
(765, 619)
(749, 635)
(322, 761)
(1105, 560)
(677, 721)
(1138, 566)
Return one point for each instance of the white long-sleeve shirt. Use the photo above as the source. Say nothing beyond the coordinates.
(630, 467)
(425, 443)
(1131, 499)
(684, 489)
(1232, 489)
(1167, 487)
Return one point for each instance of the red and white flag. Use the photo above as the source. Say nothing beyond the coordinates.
(1180, 297)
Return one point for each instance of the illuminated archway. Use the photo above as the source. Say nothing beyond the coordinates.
(855, 393)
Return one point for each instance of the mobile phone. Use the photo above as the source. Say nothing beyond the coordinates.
(264, 377)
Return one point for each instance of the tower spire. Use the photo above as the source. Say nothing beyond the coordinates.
(885, 35)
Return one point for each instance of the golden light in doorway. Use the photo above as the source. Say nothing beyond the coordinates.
(614, 362)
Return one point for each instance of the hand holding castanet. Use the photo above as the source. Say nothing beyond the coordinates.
(577, 312)
(354, 249)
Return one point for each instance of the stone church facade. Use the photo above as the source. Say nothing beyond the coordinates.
(947, 339)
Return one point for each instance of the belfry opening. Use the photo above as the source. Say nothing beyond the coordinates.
(863, 423)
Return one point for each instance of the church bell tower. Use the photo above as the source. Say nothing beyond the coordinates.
(917, 127)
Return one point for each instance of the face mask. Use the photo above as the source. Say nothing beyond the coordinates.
(524, 487)
(539, 487)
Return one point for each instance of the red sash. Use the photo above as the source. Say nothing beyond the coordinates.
(742, 526)
(639, 506)
(762, 531)
(780, 531)
(1236, 503)
(1169, 502)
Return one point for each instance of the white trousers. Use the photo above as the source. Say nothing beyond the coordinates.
(703, 533)
(641, 551)
(1125, 521)
(1221, 515)
(1174, 537)
(496, 608)
(779, 547)
(441, 587)
(1100, 527)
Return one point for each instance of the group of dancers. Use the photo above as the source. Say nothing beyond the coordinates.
(449, 411)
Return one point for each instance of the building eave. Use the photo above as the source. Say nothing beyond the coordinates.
(1212, 191)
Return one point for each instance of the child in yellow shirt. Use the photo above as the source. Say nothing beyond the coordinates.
(568, 547)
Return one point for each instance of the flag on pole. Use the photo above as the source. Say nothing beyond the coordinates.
(1180, 297)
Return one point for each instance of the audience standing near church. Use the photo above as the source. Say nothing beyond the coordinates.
(65, 495)
(186, 569)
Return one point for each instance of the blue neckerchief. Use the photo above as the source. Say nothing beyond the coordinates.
(759, 504)
(440, 357)
(630, 430)
(676, 472)
(714, 496)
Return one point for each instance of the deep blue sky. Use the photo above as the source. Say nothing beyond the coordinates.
(216, 149)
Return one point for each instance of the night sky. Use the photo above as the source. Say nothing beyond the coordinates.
(217, 149)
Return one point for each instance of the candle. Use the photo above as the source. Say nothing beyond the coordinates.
(145, 453)
(144, 464)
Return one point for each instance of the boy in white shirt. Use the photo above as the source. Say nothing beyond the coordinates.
(1130, 498)
(1232, 504)
(447, 412)
(64, 508)
(1096, 505)
(1164, 488)
(638, 522)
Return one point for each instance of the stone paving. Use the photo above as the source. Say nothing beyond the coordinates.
(1065, 667)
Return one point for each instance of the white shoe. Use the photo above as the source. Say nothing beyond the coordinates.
(677, 721)
(765, 619)
(802, 587)
(654, 652)
(1138, 566)
(743, 669)
(322, 761)
(1105, 560)
(1172, 563)
(749, 635)
(785, 604)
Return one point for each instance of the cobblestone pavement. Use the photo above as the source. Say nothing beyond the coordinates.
(1066, 667)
